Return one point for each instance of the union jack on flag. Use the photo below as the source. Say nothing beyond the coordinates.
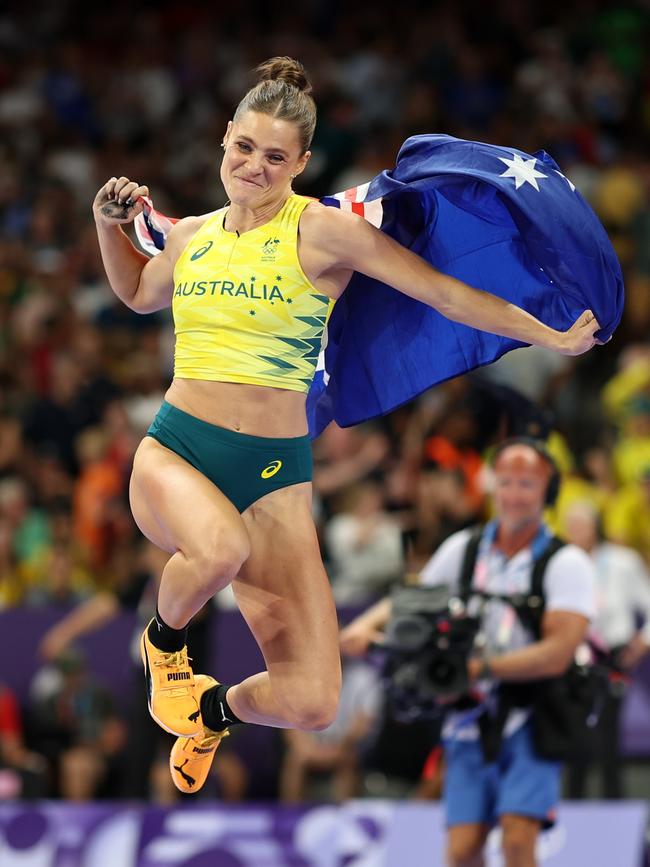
(152, 227)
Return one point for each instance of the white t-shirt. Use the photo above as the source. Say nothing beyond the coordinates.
(622, 592)
(568, 584)
(361, 697)
(360, 571)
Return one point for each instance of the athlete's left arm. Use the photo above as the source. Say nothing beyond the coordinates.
(562, 633)
(348, 241)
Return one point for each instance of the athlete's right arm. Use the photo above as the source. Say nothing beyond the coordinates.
(144, 284)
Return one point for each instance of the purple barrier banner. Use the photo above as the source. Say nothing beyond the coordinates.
(356, 834)
(110, 659)
(635, 721)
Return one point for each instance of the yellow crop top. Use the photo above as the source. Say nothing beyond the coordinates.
(244, 310)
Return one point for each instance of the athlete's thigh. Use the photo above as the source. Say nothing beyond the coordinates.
(283, 591)
(175, 506)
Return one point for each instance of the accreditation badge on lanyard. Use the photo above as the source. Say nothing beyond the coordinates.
(507, 617)
(506, 626)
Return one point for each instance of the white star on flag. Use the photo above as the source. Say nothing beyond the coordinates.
(523, 171)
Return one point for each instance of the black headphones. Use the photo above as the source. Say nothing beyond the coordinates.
(553, 487)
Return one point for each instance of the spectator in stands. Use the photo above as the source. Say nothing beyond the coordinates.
(59, 578)
(23, 773)
(53, 421)
(364, 545)
(346, 455)
(13, 579)
(75, 726)
(626, 516)
(28, 525)
(622, 601)
(99, 481)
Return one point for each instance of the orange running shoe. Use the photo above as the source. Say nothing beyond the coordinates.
(170, 689)
(191, 758)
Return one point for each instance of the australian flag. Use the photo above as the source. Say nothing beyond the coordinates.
(497, 218)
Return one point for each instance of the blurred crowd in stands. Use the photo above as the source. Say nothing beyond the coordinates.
(90, 91)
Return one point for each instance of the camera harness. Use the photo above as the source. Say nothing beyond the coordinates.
(528, 607)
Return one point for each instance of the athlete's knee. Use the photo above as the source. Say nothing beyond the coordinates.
(312, 717)
(217, 560)
(313, 712)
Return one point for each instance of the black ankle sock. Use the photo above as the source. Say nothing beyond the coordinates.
(215, 710)
(164, 637)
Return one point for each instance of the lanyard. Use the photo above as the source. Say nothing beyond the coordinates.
(502, 631)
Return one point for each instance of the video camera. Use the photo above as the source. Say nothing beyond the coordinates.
(425, 650)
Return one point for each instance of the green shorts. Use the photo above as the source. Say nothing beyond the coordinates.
(243, 467)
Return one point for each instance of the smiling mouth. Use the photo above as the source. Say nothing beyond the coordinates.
(245, 181)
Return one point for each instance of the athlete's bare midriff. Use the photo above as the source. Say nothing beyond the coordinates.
(250, 409)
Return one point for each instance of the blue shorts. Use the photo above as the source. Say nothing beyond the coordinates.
(518, 782)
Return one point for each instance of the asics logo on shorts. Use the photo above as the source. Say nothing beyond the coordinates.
(201, 251)
(271, 470)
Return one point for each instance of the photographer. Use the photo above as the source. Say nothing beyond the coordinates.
(514, 787)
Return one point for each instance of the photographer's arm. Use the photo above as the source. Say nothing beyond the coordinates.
(359, 634)
(562, 633)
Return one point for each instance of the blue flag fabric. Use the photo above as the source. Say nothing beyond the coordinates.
(497, 218)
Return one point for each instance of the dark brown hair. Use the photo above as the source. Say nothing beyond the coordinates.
(283, 91)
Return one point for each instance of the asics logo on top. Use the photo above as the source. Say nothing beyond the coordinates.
(271, 470)
(201, 251)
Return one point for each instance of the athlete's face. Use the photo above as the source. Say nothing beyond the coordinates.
(261, 155)
(521, 479)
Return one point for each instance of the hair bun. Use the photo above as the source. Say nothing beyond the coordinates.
(284, 69)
